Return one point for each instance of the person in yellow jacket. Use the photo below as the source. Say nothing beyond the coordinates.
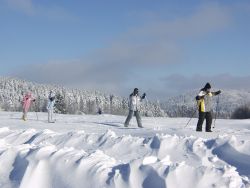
(204, 101)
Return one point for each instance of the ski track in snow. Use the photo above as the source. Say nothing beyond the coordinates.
(97, 151)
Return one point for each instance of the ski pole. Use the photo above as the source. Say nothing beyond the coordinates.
(36, 110)
(36, 113)
(36, 106)
(216, 111)
(54, 113)
(190, 118)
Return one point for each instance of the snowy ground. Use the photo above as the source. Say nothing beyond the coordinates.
(97, 151)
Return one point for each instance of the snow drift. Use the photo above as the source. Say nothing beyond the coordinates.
(96, 151)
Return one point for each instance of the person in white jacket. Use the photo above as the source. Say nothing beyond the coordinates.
(134, 107)
(50, 107)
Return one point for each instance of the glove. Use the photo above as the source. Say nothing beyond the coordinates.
(218, 92)
(144, 95)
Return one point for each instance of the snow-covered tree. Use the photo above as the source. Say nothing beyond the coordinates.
(73, 101)
(60, 105)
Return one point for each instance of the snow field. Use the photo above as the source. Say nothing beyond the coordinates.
(96, 151)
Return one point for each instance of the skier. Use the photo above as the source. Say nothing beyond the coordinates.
(134, 107)
(204, 101)
(50, 107)
(27, 100)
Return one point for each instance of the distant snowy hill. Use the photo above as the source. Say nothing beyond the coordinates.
(185, 104)
(75, 100)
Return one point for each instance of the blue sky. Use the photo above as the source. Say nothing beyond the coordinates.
(162, 47)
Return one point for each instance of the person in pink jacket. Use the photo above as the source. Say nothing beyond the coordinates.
(27, 100)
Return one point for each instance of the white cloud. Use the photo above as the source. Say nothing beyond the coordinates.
(207, 19)
(107, 76)
(115, 68)
(159, 41)
(32, 8)
(25, 6)
(223, 81)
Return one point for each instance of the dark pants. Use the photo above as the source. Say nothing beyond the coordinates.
(130, 115)
(202, 117)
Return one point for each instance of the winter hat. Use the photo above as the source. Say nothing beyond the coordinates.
(207, 86)
(136, 90)
(51, 94)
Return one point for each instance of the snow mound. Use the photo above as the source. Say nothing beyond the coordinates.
(48, 159)
(95, 154)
